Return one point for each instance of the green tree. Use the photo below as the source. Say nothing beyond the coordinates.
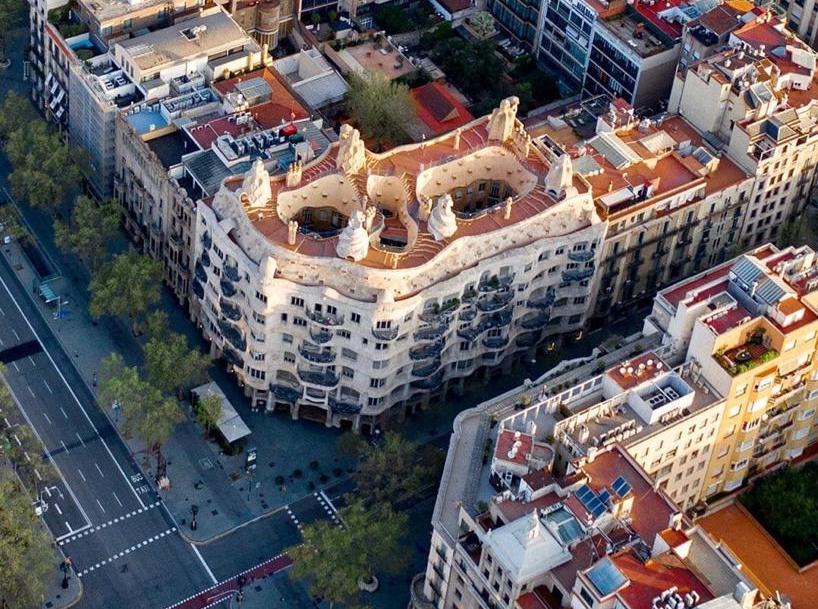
(91, 227)
(350, 444)
(11, 15)
(10, 222)
(26, 550)
(208, 410)
(126, 285)
(379, 107)
(15, 110)
(44, 168)
(147, 413)
(172, 366)
(333, 559)
(392, 472)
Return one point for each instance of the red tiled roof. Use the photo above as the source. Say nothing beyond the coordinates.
(674, 537)
(651, 13)
(649, 579)
(505, 443)
(439, 109)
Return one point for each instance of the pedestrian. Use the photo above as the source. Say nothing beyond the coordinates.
(94, 381)
(76, 353)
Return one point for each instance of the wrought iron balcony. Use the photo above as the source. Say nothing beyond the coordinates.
(542, 302)
(495, 283)
(583, 256)
(341, 406)
(495, 342)
(324, 379)
(233, 357)
(205, 258)
(319, 357)
(426, 351)
(232, 335)
(321, 335)
(386, 333)
(424, 370)
(207, 240)
(198, 289)
(230, 311)
(468, 314)
(228, 289)
(431, 383)
(231, 272)
(200, 272)
(577, 274)
(440, 313)
(327, 319)
(285, 392)
(529, 339)
(496, 302)
(535, 322)
(430, 332)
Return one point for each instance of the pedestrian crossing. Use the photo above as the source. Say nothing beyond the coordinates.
(111, 522)
(126, 551)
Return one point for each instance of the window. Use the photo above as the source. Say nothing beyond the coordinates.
(343, 333)
(355, 317)
(790, 344)
(758, 405)
(380, 364)
(734, 411)
(381, 346)
(806, 414)
(349, 354)
(287, 338)
(347, 372)
(257, 374)
(297, 302)
(283, 317)
(299, 321)
(374, 401)
(383, 324)
(289, 357)
(261, 297)
(586, 597)
(376, 383)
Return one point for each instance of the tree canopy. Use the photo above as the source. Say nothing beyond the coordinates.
(171, 365)
(26, 551)
(44, 168)
(15, 111)
(332, 558)
(91, 227)
(208, 410)
(126, 285)
(379, 108)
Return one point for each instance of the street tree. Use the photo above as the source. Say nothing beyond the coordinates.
(26, 551)
(126, 285)
(91, 227)
(350, 444)
(380, 108)
(172, 366)
(44, 168)
(16, 110)
(10, 223)
(12, 14)
(334, 559)
(208, 410)
(392, 472)
(147, 413)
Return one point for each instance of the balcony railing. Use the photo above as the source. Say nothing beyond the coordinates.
(430, 333)
(495, 283)
(207, 240)
(431, 383)
(325, 379)
(200, 272)
(496, 302)
(320, 335)
(495, 342)
(228, 289)
(583, 256)
(542, 302)
(424, 370)
(536, 322)
(426, 351)
(286, 392)
(319, 357)
(205, 258)
(230, 311)
(231, 272)
(341, 406)
(233, 335)
(578, 274)
(467, 314)
(327, 319)
(386, 333)
(198, 289)
(233, 357)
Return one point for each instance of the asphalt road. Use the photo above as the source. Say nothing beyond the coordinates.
(124, 544)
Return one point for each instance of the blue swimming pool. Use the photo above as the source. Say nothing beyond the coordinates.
(142, 121)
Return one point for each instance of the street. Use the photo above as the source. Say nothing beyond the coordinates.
(124, 544)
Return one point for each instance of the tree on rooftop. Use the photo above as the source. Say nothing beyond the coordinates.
(126, 285)
(44, 168)
(91, 227)
(26, 550)
(379, 108)
(333, 559)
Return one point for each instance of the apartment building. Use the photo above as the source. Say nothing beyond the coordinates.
(748, 328)
(136, 73)
(268, 21)
(755, 102)
(801, 18)
(172, 151)
(358, 283)
(67, 32)
(674, 206)
(709, 33)
(533, 539)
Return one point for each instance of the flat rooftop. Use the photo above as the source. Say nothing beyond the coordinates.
(370, 58)
(110, 9)
(629, 27)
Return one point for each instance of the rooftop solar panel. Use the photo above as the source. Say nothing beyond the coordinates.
(606, 578)
(621, 486)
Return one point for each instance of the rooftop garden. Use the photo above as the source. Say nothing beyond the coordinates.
(747, 356)
(786, 504)
(64, 20)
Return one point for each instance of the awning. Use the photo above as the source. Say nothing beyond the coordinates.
(231, 426)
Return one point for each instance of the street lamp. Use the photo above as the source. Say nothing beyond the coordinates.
(194, 509)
